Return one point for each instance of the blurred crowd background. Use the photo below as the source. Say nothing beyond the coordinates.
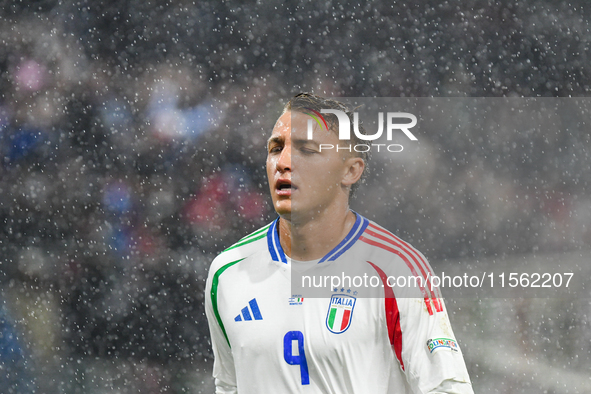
(132, 146)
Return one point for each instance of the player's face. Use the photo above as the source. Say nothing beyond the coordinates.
(303, 178)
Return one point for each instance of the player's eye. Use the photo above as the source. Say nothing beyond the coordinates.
(308, 151)
(275, 148)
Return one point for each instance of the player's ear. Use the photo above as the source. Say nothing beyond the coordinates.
(353, 170)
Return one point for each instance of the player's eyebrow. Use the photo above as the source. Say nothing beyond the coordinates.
(275, 140)
(303, 141)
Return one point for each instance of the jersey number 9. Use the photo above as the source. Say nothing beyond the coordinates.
(300, 357)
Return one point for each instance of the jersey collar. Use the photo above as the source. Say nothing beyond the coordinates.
(277, 253)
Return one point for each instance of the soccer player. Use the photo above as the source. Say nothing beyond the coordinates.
(266, 339)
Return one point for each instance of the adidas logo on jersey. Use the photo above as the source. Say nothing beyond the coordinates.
(250, 313)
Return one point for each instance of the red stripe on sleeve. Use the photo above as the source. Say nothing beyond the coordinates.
(392, 316)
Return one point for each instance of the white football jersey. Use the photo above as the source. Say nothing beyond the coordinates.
(266, 339)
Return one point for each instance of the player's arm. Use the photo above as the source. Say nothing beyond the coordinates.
(223, 367)
(420, 333)
(433, 361)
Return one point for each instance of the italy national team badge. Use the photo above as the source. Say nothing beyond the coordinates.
(340, 313)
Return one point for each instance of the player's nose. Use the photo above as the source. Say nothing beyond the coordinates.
(284, 160)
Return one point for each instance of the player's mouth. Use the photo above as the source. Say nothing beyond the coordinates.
(284, 187)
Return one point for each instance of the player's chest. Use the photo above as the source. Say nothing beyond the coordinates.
(266, 315)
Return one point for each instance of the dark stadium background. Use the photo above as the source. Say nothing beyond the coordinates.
(132, 147)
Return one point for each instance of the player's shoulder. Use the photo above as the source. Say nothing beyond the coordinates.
(245, 247)
(390, 246)
(394, 257)
(382, 237)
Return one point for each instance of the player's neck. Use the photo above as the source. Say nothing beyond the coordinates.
(314, 238)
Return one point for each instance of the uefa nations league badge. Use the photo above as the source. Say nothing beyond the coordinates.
(340, 313)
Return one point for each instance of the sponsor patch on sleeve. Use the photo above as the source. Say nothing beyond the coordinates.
(442, 343)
